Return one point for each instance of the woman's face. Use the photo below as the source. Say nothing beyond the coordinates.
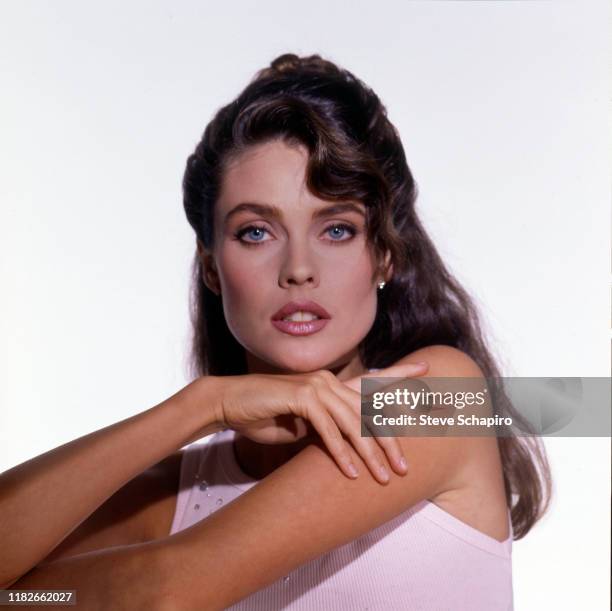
(263, 262)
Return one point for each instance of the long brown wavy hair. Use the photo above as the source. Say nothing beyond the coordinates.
(354, 153)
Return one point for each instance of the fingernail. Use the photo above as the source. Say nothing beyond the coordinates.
(352, 469)
(384, 474)
(403, 464)
(421, 363)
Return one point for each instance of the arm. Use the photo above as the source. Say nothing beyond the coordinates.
(244, 547)
(126, 577)
(140, 511)
(76, 478)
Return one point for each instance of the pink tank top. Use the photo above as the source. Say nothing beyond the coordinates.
(424, 559)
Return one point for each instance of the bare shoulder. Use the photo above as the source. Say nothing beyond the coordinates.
(474, 490)
(445, 361)
(139, 511)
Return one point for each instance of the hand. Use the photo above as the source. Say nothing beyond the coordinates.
(256, 404)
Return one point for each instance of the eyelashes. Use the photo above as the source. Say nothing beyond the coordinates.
(249, 228)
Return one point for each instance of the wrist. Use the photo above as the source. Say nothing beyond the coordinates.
(202, 401)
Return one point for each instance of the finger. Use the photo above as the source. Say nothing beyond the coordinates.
(399, 370)
(393, 449)
(329, 432)
(390, 445)
(348, 420)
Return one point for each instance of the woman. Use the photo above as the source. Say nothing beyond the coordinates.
(311, 268)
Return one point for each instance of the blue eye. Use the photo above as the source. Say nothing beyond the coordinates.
(249, 230)
(343, 227)
(256, 233)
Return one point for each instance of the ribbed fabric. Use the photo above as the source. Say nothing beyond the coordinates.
(425, 559)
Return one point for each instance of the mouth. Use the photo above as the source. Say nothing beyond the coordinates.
(301, 318)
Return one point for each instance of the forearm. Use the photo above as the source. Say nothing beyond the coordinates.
(73, 480)
(301, 511)
(128, 577)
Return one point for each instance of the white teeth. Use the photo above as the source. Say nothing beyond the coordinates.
(301, 317)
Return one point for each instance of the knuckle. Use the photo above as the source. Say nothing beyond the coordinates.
(332, 431)
(306, 394)
(326, 374)
(323, 377)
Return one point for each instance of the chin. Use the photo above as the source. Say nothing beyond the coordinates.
(302, 367)
(302, 364)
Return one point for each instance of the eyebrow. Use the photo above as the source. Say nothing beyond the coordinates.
(274, 212)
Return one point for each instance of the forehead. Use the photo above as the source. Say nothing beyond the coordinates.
(271, 171)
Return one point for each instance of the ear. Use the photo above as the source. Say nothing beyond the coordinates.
(210, 276)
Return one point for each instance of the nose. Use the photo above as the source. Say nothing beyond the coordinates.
(298, 267)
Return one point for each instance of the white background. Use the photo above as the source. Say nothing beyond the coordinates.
(503, 111)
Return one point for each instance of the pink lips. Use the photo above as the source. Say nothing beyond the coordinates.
(303, 327)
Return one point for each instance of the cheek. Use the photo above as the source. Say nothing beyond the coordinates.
(237, 278)
(243, 292)
(353, 295)
(352, 276)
